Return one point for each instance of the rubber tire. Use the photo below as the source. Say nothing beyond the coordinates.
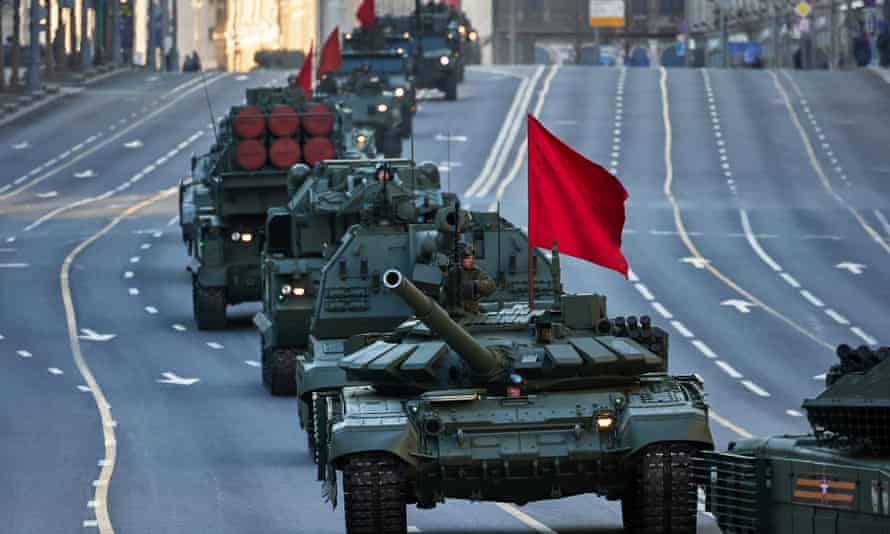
(451, 88)
(374, 494)
(661, 498)
(209, 306)
(279, 371)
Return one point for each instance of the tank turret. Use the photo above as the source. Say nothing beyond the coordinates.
(481, 359)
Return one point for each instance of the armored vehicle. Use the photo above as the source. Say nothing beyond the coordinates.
(222, 206)
(352, 302)
(302, 237)
(370, 99)
(512, 406)
(835, 480)
(394, 68)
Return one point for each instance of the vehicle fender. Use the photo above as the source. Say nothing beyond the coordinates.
(644, 427)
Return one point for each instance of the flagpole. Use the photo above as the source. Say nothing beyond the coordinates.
(531, 277)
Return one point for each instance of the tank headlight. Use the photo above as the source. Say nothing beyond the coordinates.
(473, 36)
(406, 35)
(246, 237)
(400, 50)
(347, 36)
(462, 29)
(298, 292)
(236, 236)
(381, 108)
(605, 422)
(360, 140)
(444, 60)
(399, 92)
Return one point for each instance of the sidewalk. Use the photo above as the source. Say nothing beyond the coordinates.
(883, 72)
(14, 104)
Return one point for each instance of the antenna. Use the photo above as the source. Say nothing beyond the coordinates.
(209, 107)
(448, 154)
(500, 271)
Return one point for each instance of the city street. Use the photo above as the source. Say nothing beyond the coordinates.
(758, 233)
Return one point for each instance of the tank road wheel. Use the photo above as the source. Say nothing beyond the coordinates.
(661, 498)
(374, 495)
(279, 371)
(310, 430)
(209, 305)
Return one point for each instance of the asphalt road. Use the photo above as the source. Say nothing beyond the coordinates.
(759, 240)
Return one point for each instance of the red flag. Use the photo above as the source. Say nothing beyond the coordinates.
(574, 201)
(304, 77)
(365, 14)
(330, 57)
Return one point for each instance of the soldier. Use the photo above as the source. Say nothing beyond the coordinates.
(383, 172)
(475, 284)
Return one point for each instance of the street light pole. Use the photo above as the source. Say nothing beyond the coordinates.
(116, 32)
(724, 35)
(174, 48)
(34, 56)
(84, 37)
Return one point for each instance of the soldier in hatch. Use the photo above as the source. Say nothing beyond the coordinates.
(475, 284)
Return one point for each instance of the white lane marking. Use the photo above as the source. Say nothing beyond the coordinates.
(1, 337)
(133, 291)
(728, 369)
(837, 317)
(91, 335)
(10, 239)
(698, 263)
(704, 349)
(151, 310)
(242, 77)
(173, 378)
(253, 363)
(412, 529)
(644, 291)
(83, 389)
(501, 139)
(811, 298)
(884, 222)
(136, 143)
(755, 389)
(680, 327)
(749, 235)
(43, 218)
(863, 336)
(55, 371)
(145, 246)
(21, 146)
(450, 138)
(179, 328)
(632, 276)
(24, 353)
(128, 275)
(854, 268)
(91, 523)
(48, 194)
(729, 424)
(13, 265)
(790, 280)
(526, 519)
(5, 188)
(135, 259)
(158, 234)
(742, 306)
(659, 307)
(793, 413)
(173, 220)
(523, 148)
(89, 173)
(214, 345)
(819, 377)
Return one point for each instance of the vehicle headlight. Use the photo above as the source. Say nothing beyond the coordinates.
(236, 236)
(473, 36)
(299, 291)
(399, 92)
(360, 140)
(381, 108)
(406, 35)
(462, 29)
(400, 50)
(444, 60)
(605, 421)
(246, 237)
(347, 36)
(286, 289)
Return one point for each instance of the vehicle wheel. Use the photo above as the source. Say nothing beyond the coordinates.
(374, 495)
(209, 304)
(661, 498)
(451, 88)
(279, 371)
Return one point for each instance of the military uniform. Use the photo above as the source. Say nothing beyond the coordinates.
(475, 286)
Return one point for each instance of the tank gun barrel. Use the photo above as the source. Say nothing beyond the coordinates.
(481, 359)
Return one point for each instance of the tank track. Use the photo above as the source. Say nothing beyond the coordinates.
(374, 491)
(661, 498)
(209, 306)
(310, 431)
(279, 371)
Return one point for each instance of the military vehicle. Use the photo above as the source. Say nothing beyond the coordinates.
(835, 480)
(302, 237)
(370, 99)
(222, 206)
(353, 303)
(394, 65)
(513, 406)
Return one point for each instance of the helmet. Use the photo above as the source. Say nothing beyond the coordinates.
(387, 171)
(467, 250)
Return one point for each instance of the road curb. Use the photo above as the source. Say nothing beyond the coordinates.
(881, 72)
(29, 103)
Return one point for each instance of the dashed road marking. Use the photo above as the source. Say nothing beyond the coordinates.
(863, 336)
(704, 349)
(526, 519)
(790, 280)
(794, 413)
(145, 246)
(659, 307)
(728, 369)
(644, 291)
(24, 353)
(179, 328)
(680, 327)
(133, 291)
(811, 298)
(214, 345)
(838, 318)
(135, 259)
(755, 389)
(55, 371)
(253, 363)
(129, 274)
(151, 310)
(84, 389)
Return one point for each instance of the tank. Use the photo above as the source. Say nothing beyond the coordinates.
(223, 204)
(514, 406)
(361, 86)
(326, 201)
(835, 480)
